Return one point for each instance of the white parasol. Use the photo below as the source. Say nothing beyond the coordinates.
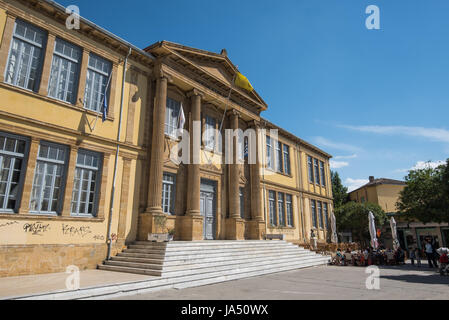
(372, 230)
(334, 237)
(394, 233)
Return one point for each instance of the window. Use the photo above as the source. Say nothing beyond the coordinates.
(314, 218)
(12, 170)
(168, 193)
(86, 183)
(317, 172)
(209, 134)
(172, 117)
(272, 207)
(242, 203)
(310, 166)
(320, 213)
(289, 207)
(279, 157)
(326, 215)
(281, 210)
(46, 194)
(286, 152)
(322, 174)
(64, 71)
(97, 80)
(270, 162)
(25, 57)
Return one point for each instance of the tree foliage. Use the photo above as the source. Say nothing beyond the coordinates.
(353, 217)
(426, 194)
(339, 191)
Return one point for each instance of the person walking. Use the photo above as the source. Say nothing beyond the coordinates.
(412, 256)
(418, 256)
(429, 253)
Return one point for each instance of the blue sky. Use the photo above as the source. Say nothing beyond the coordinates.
(377, 100)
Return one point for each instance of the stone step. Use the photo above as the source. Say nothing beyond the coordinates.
(170, 248)
(178, 264)
(244, 272)
(158, 269)
(187, 251)
(222, 259)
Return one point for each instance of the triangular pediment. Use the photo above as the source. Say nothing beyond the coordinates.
(217, 66)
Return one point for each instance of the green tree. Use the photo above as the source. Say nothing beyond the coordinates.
(353, 217)
(339, 191)
(426, 194)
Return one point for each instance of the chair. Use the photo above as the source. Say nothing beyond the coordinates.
(390, 257)
(348, 258)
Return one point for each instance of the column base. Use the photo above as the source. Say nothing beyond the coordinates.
(235, 229)
(189, 228)
(151, 222)
(256, 229)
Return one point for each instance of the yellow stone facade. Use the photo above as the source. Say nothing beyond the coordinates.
(151, 193)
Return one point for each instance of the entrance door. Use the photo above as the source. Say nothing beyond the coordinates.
(207, 205)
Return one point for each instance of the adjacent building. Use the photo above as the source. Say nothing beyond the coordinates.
(88, 127)
(411, 233)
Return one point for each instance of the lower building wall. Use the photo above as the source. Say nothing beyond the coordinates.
(16, 260)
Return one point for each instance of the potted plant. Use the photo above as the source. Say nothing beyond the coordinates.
(171, 234)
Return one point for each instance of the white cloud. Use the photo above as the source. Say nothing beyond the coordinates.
(353, 156)
(434, 134)
(427, 164)
(354, 184)
(323, 142)
(422, 165)
(338, 164)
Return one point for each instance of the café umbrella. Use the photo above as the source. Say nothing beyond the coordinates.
(394, 233)
(334, 237)
(372, 230)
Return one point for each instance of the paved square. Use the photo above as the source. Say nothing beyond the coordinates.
(327, 282)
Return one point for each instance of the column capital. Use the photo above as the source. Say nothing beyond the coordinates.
(234, 112)
(194, 93)
(159, 73)
(255, 124)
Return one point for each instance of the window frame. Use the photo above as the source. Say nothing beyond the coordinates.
(316, 168)
(279, 157)
(23, 169)
(272, 215)
(99, 172)
(171, 199)
(314, 213)
(322, 173)
(310, 169)
(326, 214)
(210, 125)
(76, 72)
(320, 214)
(270, 153)
(286, 159)
(168, 126)
(97, 72)
(289, 216)
(281, 206)
(64, 164)
(42, 47)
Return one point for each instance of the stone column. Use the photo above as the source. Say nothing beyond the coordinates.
(194, 178)
(6, 43)
(257, 215)
(157, 148)
(234, 194)
(235, 226)
(46, 69)
(146, 224)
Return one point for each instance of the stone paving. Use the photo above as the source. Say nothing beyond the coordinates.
(328, 282)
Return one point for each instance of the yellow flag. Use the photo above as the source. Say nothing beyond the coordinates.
(242, 82)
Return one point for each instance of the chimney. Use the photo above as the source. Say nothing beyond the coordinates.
(371, 179)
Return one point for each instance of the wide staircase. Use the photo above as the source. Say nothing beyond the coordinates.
(194, 263)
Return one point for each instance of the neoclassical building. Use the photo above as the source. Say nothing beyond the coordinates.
(88, 127)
